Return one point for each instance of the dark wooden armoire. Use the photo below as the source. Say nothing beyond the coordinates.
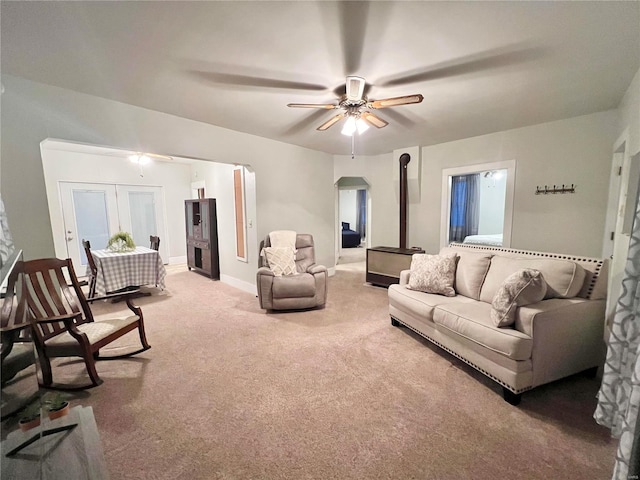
(202, 236)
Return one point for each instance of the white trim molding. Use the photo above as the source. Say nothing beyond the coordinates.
(447, 173)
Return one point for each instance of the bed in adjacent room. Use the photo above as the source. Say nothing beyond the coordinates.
(495, 240)
(350, 238)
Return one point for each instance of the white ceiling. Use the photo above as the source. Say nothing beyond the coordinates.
(481, 66)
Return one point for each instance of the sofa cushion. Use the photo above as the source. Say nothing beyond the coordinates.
(473, 322)
(564, 278)
(294, 286)
(433, 273)
(281, 260)
(420, 304)
(471, 269)
(523, 287)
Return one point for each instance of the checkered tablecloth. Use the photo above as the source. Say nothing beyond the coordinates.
(143, 266)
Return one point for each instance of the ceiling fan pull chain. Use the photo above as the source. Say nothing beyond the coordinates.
(353, 147)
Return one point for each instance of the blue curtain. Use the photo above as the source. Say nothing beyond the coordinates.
(465, 203)
(361, 206)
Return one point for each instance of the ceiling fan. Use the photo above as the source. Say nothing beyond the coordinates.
(356, 107)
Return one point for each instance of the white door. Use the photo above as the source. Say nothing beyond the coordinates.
(95, 212)
(142, 214)
(90, 212)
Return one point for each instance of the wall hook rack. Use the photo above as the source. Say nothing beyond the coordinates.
(556, 189)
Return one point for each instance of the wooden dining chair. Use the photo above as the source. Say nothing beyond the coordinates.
(63, 324)
(92, 266)
(155, 242)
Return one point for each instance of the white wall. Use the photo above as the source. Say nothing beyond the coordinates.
(629, 115)
(575, 150)
(218, 178)
(70, 166)
(348, 212)
(492, 195)
(294, 187)
(384, 211)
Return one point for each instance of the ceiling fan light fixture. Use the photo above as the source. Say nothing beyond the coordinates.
(139, 158)
(362, 126)
(349, 127)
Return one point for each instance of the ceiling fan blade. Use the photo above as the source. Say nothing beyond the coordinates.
(330, 122)
(327, 106)
(311, 118)
(396, 101)
(251, 81)
(355, 88)
(353, 19)
(374, 120)
(488, 60)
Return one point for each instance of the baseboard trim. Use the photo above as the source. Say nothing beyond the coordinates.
(239, 284)
(177, 260)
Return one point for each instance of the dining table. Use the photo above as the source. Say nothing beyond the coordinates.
(121, 270)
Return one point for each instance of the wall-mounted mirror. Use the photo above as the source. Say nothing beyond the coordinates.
(477, 204)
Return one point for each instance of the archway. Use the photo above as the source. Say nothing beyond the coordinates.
(353, 220)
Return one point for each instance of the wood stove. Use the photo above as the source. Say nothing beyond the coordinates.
(384, 264)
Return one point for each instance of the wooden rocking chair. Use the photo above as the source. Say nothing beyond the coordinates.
(16, 349)
(63, 325)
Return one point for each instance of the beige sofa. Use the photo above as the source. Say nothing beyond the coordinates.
(551, 339)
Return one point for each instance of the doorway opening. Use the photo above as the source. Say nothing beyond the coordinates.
(353, 206)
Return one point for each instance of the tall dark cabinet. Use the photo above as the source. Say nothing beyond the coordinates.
(202, 236)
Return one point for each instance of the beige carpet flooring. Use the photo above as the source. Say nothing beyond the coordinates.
(229, 392)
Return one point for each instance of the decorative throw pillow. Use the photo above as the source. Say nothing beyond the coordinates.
(281, 260)
(523, 287)
(433, 273)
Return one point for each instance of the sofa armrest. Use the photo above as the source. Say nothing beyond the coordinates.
(567, 336)
(404, 277)
(313, 269)
(527, 316)
(264, 284)
(265, 271)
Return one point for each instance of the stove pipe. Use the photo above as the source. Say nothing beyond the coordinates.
(405, 158)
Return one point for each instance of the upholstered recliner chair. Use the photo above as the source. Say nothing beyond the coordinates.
(307, 288)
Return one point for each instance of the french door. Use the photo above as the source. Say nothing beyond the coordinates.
(94, 212)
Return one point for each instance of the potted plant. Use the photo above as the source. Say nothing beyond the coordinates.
(121, 242)
(56, 404)
(30, 416)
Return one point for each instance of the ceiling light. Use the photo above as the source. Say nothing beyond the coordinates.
(361, 125)
(139, 159)
(349, 127)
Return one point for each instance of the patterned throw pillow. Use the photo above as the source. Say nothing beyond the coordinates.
(281, 260)
(433, 273)
(523, 287)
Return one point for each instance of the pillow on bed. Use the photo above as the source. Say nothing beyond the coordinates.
(281, 260)
(523, 287)
(433, 273)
